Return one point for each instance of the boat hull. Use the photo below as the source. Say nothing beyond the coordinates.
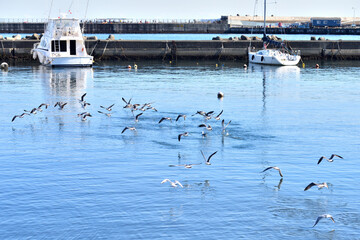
(273, 59)
(66, 61)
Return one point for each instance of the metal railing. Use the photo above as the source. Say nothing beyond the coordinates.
(116, 20)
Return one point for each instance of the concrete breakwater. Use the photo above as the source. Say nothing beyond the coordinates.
(174, 50)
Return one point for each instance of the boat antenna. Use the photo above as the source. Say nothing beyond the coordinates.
(87, 5)
(50, 9)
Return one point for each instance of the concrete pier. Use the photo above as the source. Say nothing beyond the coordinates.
(173, 50)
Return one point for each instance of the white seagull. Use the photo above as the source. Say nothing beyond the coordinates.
(130, 128)
(208, 127)
(109, 108)
(323, 216)
(173, 184)
(182, 134)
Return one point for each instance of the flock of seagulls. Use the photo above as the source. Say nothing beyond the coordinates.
(206, 116)
(319, 185)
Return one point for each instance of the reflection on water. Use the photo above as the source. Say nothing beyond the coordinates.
(64, 82)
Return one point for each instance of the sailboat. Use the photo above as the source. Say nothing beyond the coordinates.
(282, 56)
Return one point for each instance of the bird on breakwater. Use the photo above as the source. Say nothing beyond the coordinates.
(130, 128)
(19, 116)
(218, 116)
(207, 127)
(188, 165)
(324, 216)
(60, 104)
(223, 125)
(207, 160)
(329, 159)
(276, 168)
(173, 184)
(185, 134)
(319, 185)
(109, 108)
(165, 118)
(180, 116)
(106, 114)
(137, 117)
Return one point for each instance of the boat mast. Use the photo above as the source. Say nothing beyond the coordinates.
(264, 18)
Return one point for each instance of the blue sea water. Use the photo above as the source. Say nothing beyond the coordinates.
(63, 178)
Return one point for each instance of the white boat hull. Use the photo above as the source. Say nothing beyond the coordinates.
(273, 57)
(70, 61)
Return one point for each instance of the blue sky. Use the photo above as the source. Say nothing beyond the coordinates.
(184, 9)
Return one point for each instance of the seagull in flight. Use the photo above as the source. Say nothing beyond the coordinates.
(319, 185)
(329, 159)
(173, 184)
(223, 125)
(185, 134)
(107, 114)
(165, 118)
(109, 108)
(137, 117)
(179, 116)
(323, 216)
(60, 104)
(276, 168)
(128, 104)
(130, 128)
(83, 116)
(19, 116)
(207, 161)
(44, 104)
(218, 116)
(208, 127)
(82, 98)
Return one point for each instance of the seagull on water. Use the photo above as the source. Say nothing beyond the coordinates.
(207, 161)
(130, 128)
(319, 185)
(19, 116)
(189, 165)
(276, 168)
(208, 127)
(173, 184)
(329, 159)
(323, 216)
(109, 108)
(165, 118)
(185, 134)
(179, 116)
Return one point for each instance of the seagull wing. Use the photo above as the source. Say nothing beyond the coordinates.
(14, 118)
(267, 169)
(202, 125)
(179, 136)
(203, 155)
(111, 105)
(124, 130)
(177, 182)
(219, 114)
(309, 186)
(178, 117)
(335, 155)
(280, 172)
(82, 97)
(332, 218)
(317, 220)
(165, 180)
(137, 116)
(162, 119)
(208, 160)
(321, 159)
(227, 124)
(124, 100)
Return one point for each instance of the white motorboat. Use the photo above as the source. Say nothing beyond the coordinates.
(62, 44)
(282, 56)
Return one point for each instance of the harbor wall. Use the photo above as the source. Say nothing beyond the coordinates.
(176, 50)
(218, 27)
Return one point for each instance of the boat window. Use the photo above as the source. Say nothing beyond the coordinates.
(58, 46)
